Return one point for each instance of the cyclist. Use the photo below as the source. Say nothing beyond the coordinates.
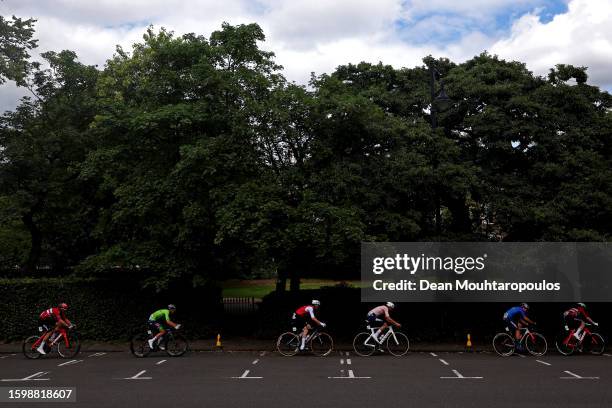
(159, 321)
(376, 316)
(305, 316)
(575, 318)
(51, 320)
(516, 317)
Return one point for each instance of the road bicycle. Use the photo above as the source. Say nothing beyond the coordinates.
(505, 345)
(589, 342)
(317, 342)
(395, 342)
(173, 343)
(64, 340)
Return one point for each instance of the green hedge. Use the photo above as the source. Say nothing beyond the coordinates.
(103, 309)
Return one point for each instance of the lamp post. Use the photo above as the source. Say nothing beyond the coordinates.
(438, 98)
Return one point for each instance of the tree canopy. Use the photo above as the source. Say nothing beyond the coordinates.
(193, 158)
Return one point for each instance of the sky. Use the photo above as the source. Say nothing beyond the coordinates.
(318, 35)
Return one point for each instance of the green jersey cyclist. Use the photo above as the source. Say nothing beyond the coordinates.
(159, 321)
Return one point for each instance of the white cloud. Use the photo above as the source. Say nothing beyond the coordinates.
(311, 35)
(582, 36)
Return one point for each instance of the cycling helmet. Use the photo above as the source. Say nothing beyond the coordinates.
(390, 305)
(315, 302)
(582, 305)
(171, 307)
(525, 306)
(63, 306)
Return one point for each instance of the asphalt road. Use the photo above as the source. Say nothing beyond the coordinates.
(264, 379)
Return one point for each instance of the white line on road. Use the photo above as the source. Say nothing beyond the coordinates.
(351, 376)
(33, 377)
(341, 361)
(608, 355)
(96, 354)
(460, 376)
(443, 361)
(138, 376)
(245, 376)
(543, 362)
(348, 361)
(521, 355)
(577, 377)
(434, 354)
(255, 362)
(263, 353)
(13, 354)
(160, 362)
(347, 353)
(1, 357)
(69, 363)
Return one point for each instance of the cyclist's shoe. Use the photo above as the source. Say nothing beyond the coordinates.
(162, 347)
(151, 344)
(41, 349)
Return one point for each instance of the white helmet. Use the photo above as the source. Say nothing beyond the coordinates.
(315, 302)
(390, 305)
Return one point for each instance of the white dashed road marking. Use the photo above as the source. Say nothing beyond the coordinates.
(577, 377)
(543, 362)
(443, 361)
(245, 376)
(160, 362)
(69, 363)
(460, 376)
(351, 376)
(255, 362)
(96, 355)
(138, 376)
(433, 354)
(33, 377)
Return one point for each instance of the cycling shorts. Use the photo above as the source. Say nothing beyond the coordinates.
(301, 321)
(510, 325)
(374, 321)
(572, 322)
(47, 324)
(157, 327)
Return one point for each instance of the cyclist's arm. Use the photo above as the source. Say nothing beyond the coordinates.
(64, 322)
(171, 324)
(527, 320)
(391, 321)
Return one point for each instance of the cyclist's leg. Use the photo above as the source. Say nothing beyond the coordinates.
(305, 330)
(158, 330)
(48, 327)
(580, 323)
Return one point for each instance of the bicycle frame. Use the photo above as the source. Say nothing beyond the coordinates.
(62, 333)
(389, 332)
(586, 332)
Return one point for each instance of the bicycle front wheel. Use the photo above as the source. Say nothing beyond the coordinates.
(288, 344)
(139, 346)
(595, 345)
(536, 344)
(563, 347)
(321, 344)
(364, 345)
(398, 344)
(73, 348)
(503, 344)
(28, 348)
(176, 345)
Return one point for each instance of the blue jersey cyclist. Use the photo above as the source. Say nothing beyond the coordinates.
(516, 318)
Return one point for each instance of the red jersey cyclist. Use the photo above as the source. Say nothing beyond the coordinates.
(51, 320)
(576, 318)
(306, 315)
(380, 314)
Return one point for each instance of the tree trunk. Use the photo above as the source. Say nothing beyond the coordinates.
(35, 241)
(281, 280)
(294, 283)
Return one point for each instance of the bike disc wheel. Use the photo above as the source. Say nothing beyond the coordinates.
(321, 344)
(73, 350)
(536, 344)
(503, 344)
(288, 344)
(176, 345)
(562, 347)
(28, 350)
(398, 344)
(139, 346)
(595, 345)
(361, 347)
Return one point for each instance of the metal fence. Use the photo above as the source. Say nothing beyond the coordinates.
(239, 305)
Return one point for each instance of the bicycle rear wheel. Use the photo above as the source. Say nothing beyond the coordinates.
(321, 344)
(398, 344)
(503, 344)
(288, 344)
(595, 345)
(364, 345)
(74, 346)
(536, 344)
(28, 348)
(139, 346)
(176, 345)
(563, 347)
